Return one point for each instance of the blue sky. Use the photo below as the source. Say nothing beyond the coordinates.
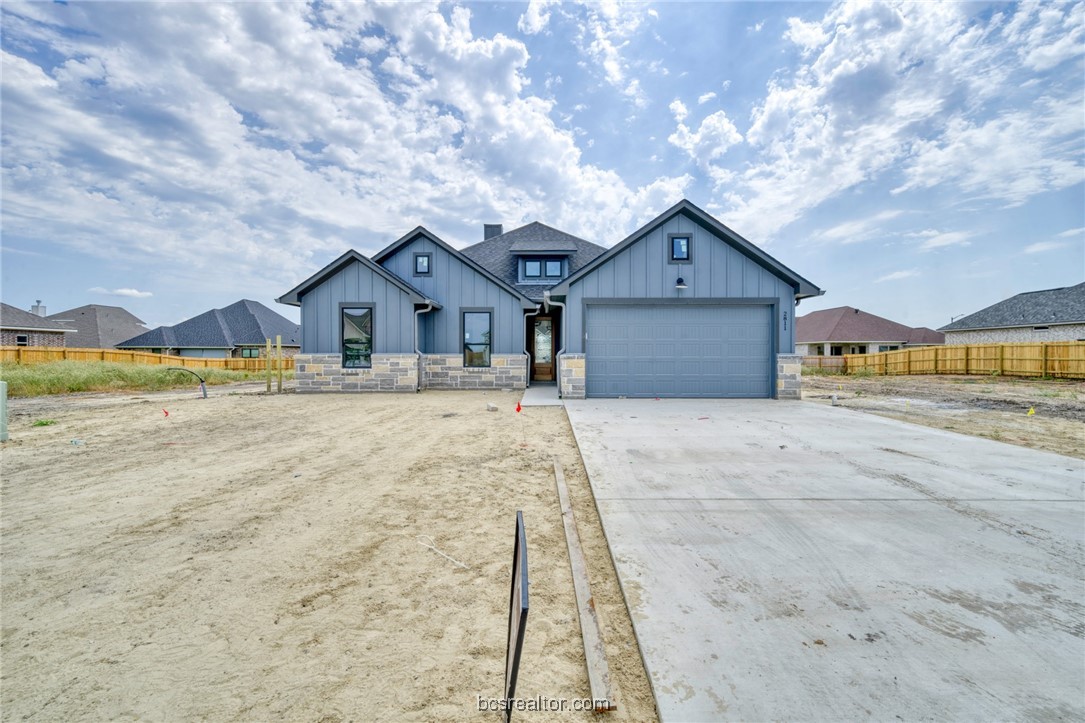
(916, 160)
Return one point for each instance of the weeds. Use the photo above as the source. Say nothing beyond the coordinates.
(43, 422)
(66, 377)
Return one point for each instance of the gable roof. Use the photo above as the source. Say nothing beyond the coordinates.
(243, 323)
(293, 297)
(16, 319)
(99, 326)
(498, 254)
(803, 288)
(845, 323)
(1065, 305)
(483, 269)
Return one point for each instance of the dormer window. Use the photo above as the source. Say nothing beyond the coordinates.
(542, 270)
(532, 269)
(553, 269)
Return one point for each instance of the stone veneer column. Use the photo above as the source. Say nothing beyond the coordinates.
(572, 372)
(789, 376)
(325, 373)
(446, 371)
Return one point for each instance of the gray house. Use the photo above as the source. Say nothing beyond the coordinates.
(1034, 316)
(684, 307)
(239, 330)
(98, 326)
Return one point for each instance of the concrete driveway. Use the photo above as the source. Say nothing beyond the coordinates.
(792, 561)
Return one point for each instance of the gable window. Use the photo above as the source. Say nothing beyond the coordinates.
(476, 338)
(681, 248)
(357, 337)
(532, 269)
(553, 269)
(250, 352)
(22, 340)
(423, 264)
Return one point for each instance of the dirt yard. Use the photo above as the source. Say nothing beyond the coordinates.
(255, 557)
(992, 407)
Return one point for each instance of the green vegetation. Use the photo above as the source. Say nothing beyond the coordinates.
(862, 373)
(822, 372)
(43, 422)
(66, 377)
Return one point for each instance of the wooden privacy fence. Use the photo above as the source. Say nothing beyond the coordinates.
(42, 354)
(1049, 359)
(833, 363)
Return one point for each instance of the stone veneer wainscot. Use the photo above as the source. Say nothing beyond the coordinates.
(446, 371)
(573, 375)
(789, 376)
(325, 373)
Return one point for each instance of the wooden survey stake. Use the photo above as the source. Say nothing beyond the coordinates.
(279, 360)
(517, 613)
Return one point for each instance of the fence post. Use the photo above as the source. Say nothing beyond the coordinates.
(268, 366)
(966, 358)
(279, 360)
(1043, 359)
(1001, 359)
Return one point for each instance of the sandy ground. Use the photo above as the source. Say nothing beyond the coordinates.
(992, 407)
(254, 557)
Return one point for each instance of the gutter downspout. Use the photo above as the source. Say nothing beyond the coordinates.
(547, 301)
(418, 352)
(527, 377)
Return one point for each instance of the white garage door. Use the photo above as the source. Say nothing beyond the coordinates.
(679, 351)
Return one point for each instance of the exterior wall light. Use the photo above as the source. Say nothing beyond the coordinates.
(680, 283)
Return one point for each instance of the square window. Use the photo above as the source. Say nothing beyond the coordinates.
(423, 264)
(553, 269)
(532, 269)
(476, 339)
(357, 337)
(680, 247)
(22, 340)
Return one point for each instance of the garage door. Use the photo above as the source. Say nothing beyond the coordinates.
(679, 351)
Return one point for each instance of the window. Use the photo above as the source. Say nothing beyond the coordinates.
(22, 340)
(836, 350)
(476, 338)
(357, 337)
(423, 264)
(532, 269)
(250, 353)
(553, 269)
(681, 248)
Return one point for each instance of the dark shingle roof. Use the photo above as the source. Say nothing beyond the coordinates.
(98, 326)
(14, 318)
(845, 323)
(498, 254)
(1065, 305)
(244, 323)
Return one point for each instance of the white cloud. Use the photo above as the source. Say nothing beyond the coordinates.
(606, 31)
(858, 230)
(1071, 232)
(1041, 246)
(933, 239)
(755, 28)
(705, 97)
(679, 110)
(537, 16)
(709, 142)
(897, 275)
(130, 293)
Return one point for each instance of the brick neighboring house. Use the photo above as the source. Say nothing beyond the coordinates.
(21, 328)
(239, 330)
(1034, 316)
(98, 326)
(846, 330)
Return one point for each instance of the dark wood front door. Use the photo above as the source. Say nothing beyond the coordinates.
(542, 342)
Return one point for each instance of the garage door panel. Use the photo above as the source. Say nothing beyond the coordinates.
(679, 351)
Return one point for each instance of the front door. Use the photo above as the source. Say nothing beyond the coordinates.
(543, 338)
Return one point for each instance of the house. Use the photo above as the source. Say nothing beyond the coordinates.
(846, 330)
(684, 307)
(238, 330)
(1034, 316)
(22, 328)
(98, 326)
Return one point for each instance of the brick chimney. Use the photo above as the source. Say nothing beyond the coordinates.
(37, 308)
(489, 230)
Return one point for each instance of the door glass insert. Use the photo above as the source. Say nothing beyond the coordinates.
(543, 341)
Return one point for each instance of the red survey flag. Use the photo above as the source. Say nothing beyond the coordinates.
(165, 412)
(518, 407)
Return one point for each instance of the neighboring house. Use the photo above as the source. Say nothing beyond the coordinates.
(845, 330)
(21, 328)
(238, 330)
(684, 307)
(1034, 316)
(98, 326)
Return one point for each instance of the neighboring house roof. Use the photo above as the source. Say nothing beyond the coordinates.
(803, 288)
(16, 319)
(498, 254)
(1065, 305)
(98, 326)
(847, 324)
(244, 323)
(489, 271)
(293, 297)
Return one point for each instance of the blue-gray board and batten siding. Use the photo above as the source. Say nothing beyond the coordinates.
(457, 286)
(393, 312)
(729, 297)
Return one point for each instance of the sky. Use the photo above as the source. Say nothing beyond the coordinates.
(916, 160)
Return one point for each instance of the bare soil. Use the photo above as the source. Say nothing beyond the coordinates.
(993, 407)
(258, 557)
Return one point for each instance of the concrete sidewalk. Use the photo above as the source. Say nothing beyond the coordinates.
(791, 561)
